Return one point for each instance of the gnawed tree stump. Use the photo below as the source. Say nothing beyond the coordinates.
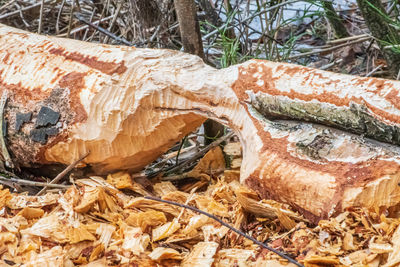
(127, 106)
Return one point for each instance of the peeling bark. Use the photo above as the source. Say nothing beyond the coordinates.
(127, 106)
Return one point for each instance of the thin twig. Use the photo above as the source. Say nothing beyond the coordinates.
(81, 28)
(373, 71)
(41, 17)
(70, 19)
(223, 27)
(7, 4)
(104, 31)
(179, 150)
(200, 153)
(90, 20)
(350, 38)
(286, 257)
(328, 49)
(58, 17)
(63, 173)
(20, 10)
(102, 14)
(31, 183)
(113, 21)
(327, 66)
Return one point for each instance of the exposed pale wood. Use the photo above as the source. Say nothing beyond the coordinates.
(127, 106)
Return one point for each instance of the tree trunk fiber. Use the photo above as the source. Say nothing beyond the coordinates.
(127, 106)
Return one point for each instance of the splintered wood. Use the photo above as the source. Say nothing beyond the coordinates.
(96, 224)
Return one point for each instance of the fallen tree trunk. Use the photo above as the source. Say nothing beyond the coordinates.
(127, 106)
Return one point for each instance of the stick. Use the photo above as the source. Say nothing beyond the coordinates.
(119, 5)
(41, 17)
(104, 31)
(208, 35)
(351, 38)
(228, 226)
(201, 152)
(20, 10)
(31, 183)
(329, 48)
(78, 29)
(70, 19)
(373, 71)
(63, 173)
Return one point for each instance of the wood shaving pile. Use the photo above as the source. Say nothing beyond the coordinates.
(103, 221)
